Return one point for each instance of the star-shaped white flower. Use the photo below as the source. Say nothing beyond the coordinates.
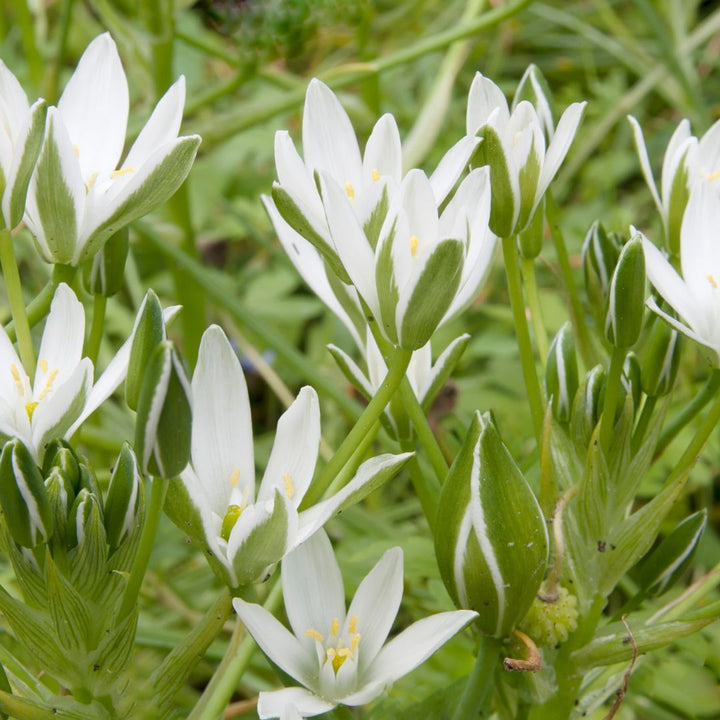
(340, 656)
(80, 193)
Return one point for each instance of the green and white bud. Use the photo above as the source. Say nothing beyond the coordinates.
(493, 548)
(60, 457)
(125, 498)
(600, 253)
(148, 334)
(630, 380)
(670, 559)
(561, 373)
(61, 496)
(162, 429)
(587, 408)
(660, 359)
(23, 497)
(104, 273)
(626, 296)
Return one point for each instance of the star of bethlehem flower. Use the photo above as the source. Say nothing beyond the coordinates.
(369, 182)
(514, 146)
(694, 295)
(249, 533)
(21, 129)
(62, 394)
(340, 656)
(80, 193)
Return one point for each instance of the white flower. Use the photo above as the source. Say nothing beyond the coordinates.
(514, 145)
(249, 533)
(340, 656)
(21, 127)
(62, 394)
(80, 194)
(696, 295)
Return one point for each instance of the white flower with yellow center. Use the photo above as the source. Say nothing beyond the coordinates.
(695, 295)
(246, 533)
(339, 656)
(80, 193)
(61, 395)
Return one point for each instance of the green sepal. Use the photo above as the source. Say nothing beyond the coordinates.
(531, 238)
(104, 273)
(444, 368)
(679, 196)
(373, 225)
(30, 152)
(626, 297)
(69, 612)
(149, 333)
(660, 359)
(23, 497)
(158, 186)
(505, 204)
(666, 564)
(294, 217)
(164, 417)
(493, 548)
(125, 498)
(433, 292)
(182, 511)
(264, 546)
(561, 373)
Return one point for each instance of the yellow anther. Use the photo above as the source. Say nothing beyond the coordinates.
(413, 245)
(352, 627)
(314, 634)
(235, 477)
(335, 627)
(30, 409)
(712, 281)
(16, 378)
(714, 175)
(355, 642)
(48, 385)
(77, 150)
(349, 190)
(90, 182)
(43, 364)
(289, 488)
(122, 171)
(375, 174)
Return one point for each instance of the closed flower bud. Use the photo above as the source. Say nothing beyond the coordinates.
(61, 496)
(588, 407)
(104, 274)
(493, 547)
(660, 359)
(561, 373)
(60, 457)
(125, 499)
(23, 497)
(626, 297)
(600, 253)
(149, 333)
(162, 429)
(630, 380)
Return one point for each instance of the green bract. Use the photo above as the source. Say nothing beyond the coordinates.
(493, 549)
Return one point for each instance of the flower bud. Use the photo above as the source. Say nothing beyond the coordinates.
(533, 87)
(600, 253)
(162, 429)
(561, 373)
(626, 297)
(588, 407)
(23, 497)
(660, 359)
(630, 380)
(104, 273)
(60, 457)
(492, 549)
(125, 499)
(61, 496)
(149, 333)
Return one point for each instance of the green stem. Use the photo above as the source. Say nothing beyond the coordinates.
(396, 372)
(612, 393)
(576, 312)
(643, 421)
(147, 539)
(345, 475)
(227, 676)
(24, 19)
(478, 690)
(426, 490)
(97, 328)
(688, 412)
(53, 73)
(17, 303)
(512, 271)
(527, 269)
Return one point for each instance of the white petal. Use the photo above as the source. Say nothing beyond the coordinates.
(677, 150)
(645, 162)
(280, 645)
(94, 107)
(222, 441)
(365, 694)
(12, 390)
(294, 453)
(313, 589)
(451, 166)
(418, 371)
(484, 97)
(275, 704)
(15, 101)
(712, 343)
(376, 604)
(383, 153)
(708, 151)
(161, 128)
(415, 644)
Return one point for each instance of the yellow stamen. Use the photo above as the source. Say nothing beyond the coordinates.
(335, 627)
(289, 488)
(48, 385)
(77, 150)
(352, 627)
(235, 477)
(714, 175)
(314, 634)
(375, 174)
(712, 281)
(349, 190)
(90, 182)
(413, 245)
(355, 642)
(16, 378)
(122, 171)
(43, 365)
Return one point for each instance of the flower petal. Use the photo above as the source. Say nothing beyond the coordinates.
(485, 97)
(451, 166)
(645, 166)
(383, 153)
(94, 107)
(275, 704)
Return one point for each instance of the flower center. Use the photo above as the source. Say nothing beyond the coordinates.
(338, 648)
(47, 388)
